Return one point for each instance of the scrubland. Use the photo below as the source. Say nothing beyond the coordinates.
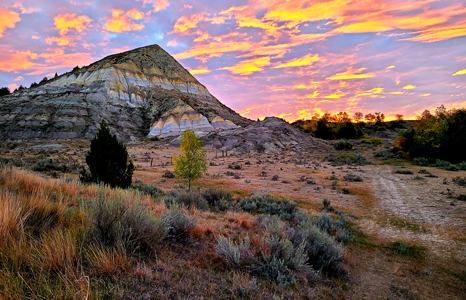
(336, 225)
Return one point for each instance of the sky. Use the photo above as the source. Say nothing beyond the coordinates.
(286, 58)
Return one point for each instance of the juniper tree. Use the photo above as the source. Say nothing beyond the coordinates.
(107, 160)
(192, 163)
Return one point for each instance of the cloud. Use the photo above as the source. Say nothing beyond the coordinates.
(199, 71)
(185, 23)
(24, 10)
(17, 61)
(247, 67)
(66, 22)
(121, 22)
(8, 19)
(391, 67)
(172, 43)
(351, 74)
(372, 92)
(60, 40)
(18, 78)
(462, 72)
(409, 87)
(306, 60)
(158, 5)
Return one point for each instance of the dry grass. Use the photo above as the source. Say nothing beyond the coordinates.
(44, 254)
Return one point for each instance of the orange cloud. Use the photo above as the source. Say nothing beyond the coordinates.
(66, 22)
(20, 60)
(409, 87)
(24, 10)
(372, 92)
(12, 86)
(202, 36)
(121, 21)
(60, 40)
(204, 51)
(306, 60)
(371, 26)
(391, 67)
(172, 43)
(158, 5)
(185, 23)
(199, 71)
(247, 67)
(351, 74)
(8, 19)
(18, 78)
(462, 72)
(438, 34)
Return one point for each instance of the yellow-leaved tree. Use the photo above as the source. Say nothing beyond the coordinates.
(192, 163)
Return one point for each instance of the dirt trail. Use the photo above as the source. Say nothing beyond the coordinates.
(419, 201)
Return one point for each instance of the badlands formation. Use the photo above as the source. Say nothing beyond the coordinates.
(140, 93)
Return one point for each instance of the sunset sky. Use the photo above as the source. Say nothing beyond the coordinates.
(288, 58)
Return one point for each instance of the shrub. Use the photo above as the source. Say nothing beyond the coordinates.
(371, 140)
(353, 178)
(215, 196)
(343, 145)
(407, 250)
(115, 222)
(386, 154)
(279, 259)
(436, 135)
(459, 181)
(168, 174)
(268, 204)
(107, 160)
(461, 166)
(148, 189)
(179, 225)
(48, 165)
(191, 198)
(404, 171)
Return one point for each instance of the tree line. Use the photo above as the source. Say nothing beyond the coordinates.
(342, 126)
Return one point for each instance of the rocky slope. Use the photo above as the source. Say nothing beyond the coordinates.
(142, 92)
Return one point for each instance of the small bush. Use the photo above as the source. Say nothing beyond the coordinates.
(179, 225)
(268, 204)
(148, 189)
(214, 196)
(371, 140)
(386, 154)
(168, 174)
(115, 222)
(48, 165)
(404, 171)
(461, 166)
(407, 250)
(186, 198)
(353, 178)
(459, 181)
(461, 197)
(343, 145)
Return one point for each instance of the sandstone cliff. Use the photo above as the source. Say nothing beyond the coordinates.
(142, 92)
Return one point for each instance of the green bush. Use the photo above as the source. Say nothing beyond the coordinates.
(436, 135)
(179, 225)
(215, 196)
(404, 171)
(405, 249)
(148, 189)
(371, 140)
(343, 145)
(48, 165)
(386, 154)
(107, 160)
(186, 198)
(114, 222)
(271, 205)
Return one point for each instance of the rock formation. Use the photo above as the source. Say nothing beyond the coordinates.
(142, 92)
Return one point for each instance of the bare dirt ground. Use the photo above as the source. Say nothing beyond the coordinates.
(387, 207)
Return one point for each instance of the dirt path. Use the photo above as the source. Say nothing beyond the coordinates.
(416, 200)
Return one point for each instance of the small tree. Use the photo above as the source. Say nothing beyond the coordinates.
(358, 116)
(107, 160)
(399, 117)
(192, 163)
(4, 91)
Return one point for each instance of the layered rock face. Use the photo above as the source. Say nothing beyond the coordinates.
(143, 92)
